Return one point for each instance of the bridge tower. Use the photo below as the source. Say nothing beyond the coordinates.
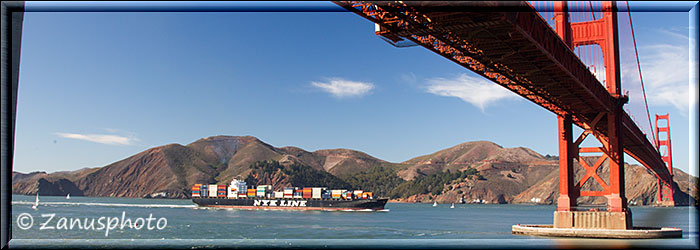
(604, 33)
(665, 190)
(516, 49)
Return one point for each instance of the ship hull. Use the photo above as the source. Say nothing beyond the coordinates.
(292, 204)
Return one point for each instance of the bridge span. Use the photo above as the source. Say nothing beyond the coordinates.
(512, 45)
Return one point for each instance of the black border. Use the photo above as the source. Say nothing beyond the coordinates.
(12, 18)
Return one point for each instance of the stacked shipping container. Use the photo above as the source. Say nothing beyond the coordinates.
(238, 189)
(221, 191)
(196, 190)
(325, 194)
(306, 193)
(204, 191)
(288, 192)
(212, 190)
(264, 191)
(316, 192)
(335, 194)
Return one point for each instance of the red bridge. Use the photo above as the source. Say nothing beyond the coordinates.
(511, 44)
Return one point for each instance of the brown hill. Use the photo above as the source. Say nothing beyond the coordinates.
(341, 162)
(511, 175)
(174, 168)
(521, 175)
(32, 182)
(334, 161)
(171, 168)
(455, 158)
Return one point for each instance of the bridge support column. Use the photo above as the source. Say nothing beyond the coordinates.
(567, 191)
(617, 215)
(617, 202)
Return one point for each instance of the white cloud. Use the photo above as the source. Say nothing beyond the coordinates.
(477, 91)
(341, 88)
(665, 69)
(100, 138)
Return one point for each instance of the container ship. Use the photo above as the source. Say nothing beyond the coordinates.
(239, 195)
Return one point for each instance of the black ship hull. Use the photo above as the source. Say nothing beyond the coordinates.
(294, 204)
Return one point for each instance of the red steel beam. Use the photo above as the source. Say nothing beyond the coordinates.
(567, 79)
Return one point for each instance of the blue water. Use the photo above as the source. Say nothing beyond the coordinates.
(180, 222)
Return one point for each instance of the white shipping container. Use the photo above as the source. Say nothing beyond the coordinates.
(336, 191)
(357, 192)
(212, 191)
(279, 195)
(316, 193)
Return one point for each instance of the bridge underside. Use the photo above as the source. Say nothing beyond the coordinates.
(513, 46)
(518, 50)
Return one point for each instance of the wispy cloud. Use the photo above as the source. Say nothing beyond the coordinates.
(341, 88)
(100, 138)
(665, 68)
(409, 77)
(477, 91)
(674, 32)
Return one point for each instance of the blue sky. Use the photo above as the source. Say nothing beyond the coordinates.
(96, 88)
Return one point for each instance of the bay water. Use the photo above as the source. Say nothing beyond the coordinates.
(103, 221)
